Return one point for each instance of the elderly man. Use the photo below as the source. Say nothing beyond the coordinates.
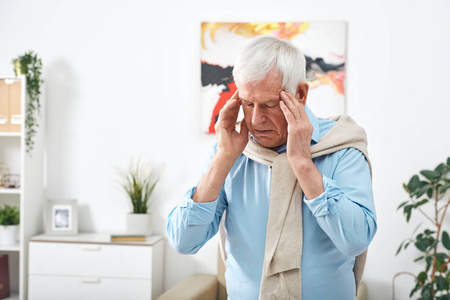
(296, 189)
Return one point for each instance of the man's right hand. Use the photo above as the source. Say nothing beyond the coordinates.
(230, 143)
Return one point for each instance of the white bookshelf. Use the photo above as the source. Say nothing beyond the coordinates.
(29, 198)
(10, 248)
(5, 191)
(10, 134)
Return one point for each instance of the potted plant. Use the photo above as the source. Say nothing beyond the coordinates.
(30, 65)
(138, 182)
(9, 225)
(430, 194)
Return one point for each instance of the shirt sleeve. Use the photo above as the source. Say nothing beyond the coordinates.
(345, 210)
(190, 225)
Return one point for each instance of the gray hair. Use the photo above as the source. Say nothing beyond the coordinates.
(265, 53)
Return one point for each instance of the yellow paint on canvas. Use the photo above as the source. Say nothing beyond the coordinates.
(249, 30)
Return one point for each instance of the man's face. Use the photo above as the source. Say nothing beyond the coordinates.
(263, 115)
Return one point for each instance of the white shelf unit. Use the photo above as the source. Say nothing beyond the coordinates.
(9, 191)
(30, 197)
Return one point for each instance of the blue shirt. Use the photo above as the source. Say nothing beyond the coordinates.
(337, 225)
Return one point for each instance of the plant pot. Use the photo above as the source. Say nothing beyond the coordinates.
(9, 234)
(139, 224)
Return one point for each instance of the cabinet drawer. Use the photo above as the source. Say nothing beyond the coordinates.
(92, 288)
(73, 259)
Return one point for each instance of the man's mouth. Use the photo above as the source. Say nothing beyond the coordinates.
(262, 131)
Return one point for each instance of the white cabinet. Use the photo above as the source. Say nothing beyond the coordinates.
(30, 196)
(89, 266)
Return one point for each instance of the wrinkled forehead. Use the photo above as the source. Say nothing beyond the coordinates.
(272, 81)
(260, 92)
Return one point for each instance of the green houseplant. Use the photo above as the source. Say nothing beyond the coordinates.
(30, 65)
(9, 224)
(428, 195)
(139, 182)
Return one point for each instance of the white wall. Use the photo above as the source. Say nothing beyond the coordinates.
(122, 80)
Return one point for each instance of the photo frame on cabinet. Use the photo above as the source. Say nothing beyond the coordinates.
(61, 217)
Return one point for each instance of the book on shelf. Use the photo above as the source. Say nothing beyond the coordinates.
(128, 238)
(4, 277)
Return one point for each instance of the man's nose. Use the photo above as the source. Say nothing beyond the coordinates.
(259, 116)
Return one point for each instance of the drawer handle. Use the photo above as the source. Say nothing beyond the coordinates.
(90, 280)
(16, 119)
(92, 248)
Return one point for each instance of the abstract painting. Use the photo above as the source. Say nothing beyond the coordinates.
(322, 42)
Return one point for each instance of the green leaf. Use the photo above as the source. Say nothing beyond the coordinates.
(444, 188)
(403, 204)
(448, 161)
(406, 188)
(430, 192)
(433, 244)
(424, 186)
(422, 277)
(426, 292)
(419, 258)
(430, 175)
(407, 211)
(408, 208)
(422, 245)
(422, 202)
(441, 169)
(440, 259)
(413, 183)
(415, 289)
(399, 248)
(428, 260)
(429, 232)
(446, 240)
(441, 283)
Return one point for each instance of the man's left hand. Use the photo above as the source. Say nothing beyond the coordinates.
(300, 132)
(299, 128)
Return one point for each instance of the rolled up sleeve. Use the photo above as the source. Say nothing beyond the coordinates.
(190, 225)
(345, 210)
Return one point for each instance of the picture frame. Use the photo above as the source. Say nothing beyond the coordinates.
(61, 217)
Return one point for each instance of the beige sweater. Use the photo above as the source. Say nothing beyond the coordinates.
(281, 277)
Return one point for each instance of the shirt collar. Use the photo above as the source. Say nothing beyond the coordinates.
(315, 123)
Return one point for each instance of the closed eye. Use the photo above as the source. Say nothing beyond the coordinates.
(271, 106)
(247, 103)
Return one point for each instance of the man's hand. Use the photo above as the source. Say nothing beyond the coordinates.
(300, 131)
(230, 143)
(299, 128)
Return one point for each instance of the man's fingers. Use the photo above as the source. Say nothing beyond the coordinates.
(235, 95)
(290, 100)
(293, 104)
(287, 113)
(244, 128)
(230, 111)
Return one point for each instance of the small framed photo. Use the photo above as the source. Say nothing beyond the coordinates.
(61, 217)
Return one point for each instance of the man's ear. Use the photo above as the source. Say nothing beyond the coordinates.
(302, 92)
